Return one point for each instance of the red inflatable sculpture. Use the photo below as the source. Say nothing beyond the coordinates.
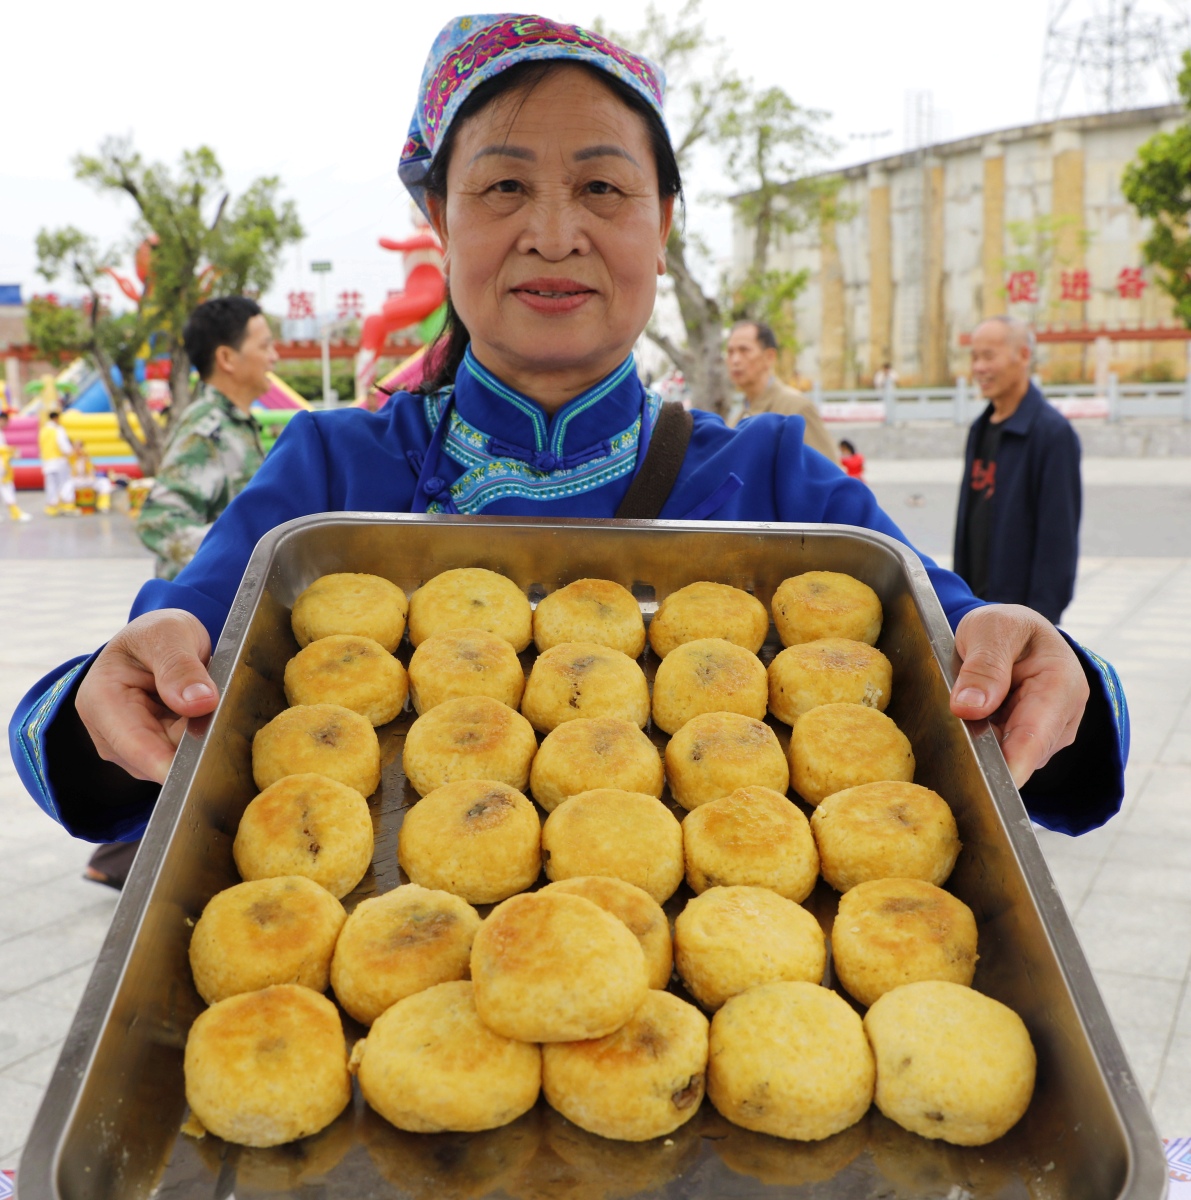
(425, 290)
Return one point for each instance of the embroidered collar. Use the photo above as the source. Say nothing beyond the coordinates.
(508, 446)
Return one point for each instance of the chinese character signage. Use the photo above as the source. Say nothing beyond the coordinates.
(351, 306)
(1022, 286)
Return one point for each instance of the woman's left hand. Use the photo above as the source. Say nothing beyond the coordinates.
(1019, 673)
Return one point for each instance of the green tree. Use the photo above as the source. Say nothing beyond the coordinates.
(204, 244)
(764, 138)
(1158, 185)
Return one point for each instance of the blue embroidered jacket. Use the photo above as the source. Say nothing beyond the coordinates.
(482, 447)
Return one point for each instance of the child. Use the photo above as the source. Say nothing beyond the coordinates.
(8, 491)
(851, 462)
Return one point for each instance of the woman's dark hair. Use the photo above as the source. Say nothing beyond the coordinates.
(446, 352)
(847, 446)
(220, 322)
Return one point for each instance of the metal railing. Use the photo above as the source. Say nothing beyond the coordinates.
(962, 403)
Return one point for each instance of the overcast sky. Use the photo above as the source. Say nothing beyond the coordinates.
(322, 95)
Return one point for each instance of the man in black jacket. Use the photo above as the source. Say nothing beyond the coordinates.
(1017, 530)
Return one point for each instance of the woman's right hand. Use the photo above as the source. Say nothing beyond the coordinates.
(139, 692)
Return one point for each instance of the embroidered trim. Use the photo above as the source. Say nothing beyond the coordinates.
(487, 479)
(1116, 698)
(31, 733)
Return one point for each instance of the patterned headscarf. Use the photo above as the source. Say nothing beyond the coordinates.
(471, 50)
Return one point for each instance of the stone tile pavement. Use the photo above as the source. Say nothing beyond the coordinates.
(1128, 885)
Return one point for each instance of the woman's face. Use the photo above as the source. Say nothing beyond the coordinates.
(554, 234)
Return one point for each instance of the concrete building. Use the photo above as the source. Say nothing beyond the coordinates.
(1029, 221)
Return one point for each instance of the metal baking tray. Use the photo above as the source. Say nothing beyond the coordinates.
(108, 1128)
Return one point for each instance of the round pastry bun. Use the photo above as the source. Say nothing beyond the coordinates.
(360, 605)
(641, 1082)
(889, 932)
(753, 837)
(318, 739)
(464, 662)
(550, 967)
(731, 939)
(355, 672)
(595, 752)
(715, 753)
(627, 835)
(477, 838)
(470, 598)
(402, 942)
(826, 604)
(706, 676)
(838, 746)
(885, 830)
(643, 915)
(306, 825)
(590, 610)
(472, 737)
(790, 1060)
(828, 671)
(581, 679)
(429, 1064)
(263, 932)
(708, 610)
(952, 1064)
(267, 1067)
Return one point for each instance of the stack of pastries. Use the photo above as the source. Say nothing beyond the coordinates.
(583, 988)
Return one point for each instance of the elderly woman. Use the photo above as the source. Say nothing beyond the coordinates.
(540, 154)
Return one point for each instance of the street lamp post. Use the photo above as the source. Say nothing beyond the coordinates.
(322, 269)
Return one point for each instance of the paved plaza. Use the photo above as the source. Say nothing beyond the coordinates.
(66, 585)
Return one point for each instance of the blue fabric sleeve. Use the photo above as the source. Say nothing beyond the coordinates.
(292, 482)
(61, 769)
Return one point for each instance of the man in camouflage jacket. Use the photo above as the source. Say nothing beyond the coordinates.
(215, 449)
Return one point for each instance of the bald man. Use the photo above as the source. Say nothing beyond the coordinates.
(1017, 529)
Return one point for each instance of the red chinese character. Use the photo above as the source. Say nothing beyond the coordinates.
(1076, 285)
(1130, 284)
(1023, 287)
(301, 305)
(351, 305)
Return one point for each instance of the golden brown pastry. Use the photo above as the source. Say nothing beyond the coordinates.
(473, 737)
(791, 1060)
(429, 1064)
(826, 604)
(828, 671)
(580, 679)
(403, 942)
(318, 739)
(361, 605)
(464, 662)
(708, 610)
(715, 753)
(753, 837)
(838, 746)
(549, 967)
(470, 598)
(590, 610)
(306, 825)
(705, 676)
(267, 1067)
(627, 835)
(637, 909)
(641, 1082)
(596, 752)
(893, 931)
(731, 939)
(355, 672)
(477, 838)
(264, 932)
(886, 830)
(951, 1063)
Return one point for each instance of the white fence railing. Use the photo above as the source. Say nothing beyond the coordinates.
(962, 403)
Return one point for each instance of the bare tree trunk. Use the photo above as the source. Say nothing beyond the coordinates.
(181, 393)
(704, 365)
(148, 447)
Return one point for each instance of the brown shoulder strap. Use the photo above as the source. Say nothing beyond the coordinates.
(653, 483)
